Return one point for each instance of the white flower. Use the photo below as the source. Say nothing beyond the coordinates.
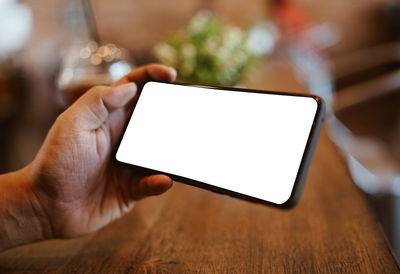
(166, 54)
(200, 20)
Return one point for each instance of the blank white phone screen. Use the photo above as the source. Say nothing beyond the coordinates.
(246, 142)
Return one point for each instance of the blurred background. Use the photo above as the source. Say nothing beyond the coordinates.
(347, 52)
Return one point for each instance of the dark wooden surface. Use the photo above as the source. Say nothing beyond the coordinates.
(333, 229)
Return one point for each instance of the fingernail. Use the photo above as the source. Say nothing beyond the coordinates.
(173, 72)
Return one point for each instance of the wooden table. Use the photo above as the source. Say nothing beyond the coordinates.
(332, 229)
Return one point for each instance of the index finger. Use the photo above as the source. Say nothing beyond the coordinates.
(147, 73)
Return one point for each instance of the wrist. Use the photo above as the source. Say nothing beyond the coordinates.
(22, 218)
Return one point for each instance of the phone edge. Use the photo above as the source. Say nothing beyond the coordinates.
(304, 164)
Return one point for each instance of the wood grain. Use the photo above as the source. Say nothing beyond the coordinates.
(333, 229)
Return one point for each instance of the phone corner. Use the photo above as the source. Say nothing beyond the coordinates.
(290, 203)
(149, 83)
(320, 103)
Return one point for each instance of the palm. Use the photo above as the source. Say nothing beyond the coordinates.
(85, 192)
(79, 183)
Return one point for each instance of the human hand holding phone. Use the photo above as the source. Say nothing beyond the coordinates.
(73, 186)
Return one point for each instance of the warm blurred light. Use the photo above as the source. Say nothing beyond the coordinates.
(108, 58)
(116, 53)
(103, 51)
(92, 46)
(96, 59)
(97, 55)
(85, 53)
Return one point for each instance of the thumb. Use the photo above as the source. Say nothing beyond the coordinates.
(92, 109)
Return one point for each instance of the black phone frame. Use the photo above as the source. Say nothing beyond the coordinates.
(301, 173)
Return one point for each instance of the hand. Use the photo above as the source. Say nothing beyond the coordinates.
(76, 186)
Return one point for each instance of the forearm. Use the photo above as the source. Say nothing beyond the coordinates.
(21, 221)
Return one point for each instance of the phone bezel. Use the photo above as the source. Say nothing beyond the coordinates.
(304, 164)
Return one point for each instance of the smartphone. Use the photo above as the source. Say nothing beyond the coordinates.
(250, 144)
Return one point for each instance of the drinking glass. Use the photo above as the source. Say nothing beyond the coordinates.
(91, 64)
